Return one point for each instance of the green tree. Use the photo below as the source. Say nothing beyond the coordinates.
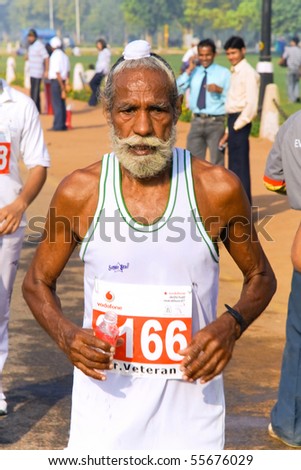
(104, 19)
(286, 17)
(150, 16)
(221, 14)
(24, 14)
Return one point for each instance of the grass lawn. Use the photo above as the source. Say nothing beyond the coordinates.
(175, 62)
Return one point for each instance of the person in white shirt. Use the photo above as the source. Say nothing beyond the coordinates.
(241, 107)
(191, 52)
(59, 73)
(291, 58)
(20, 136)
(102, 68)
(38, 61)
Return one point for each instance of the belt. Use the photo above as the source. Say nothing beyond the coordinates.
(208, 116)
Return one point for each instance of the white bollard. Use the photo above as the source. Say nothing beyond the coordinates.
(269, 122)
(78, 73)
(10, 70)
(9, 48)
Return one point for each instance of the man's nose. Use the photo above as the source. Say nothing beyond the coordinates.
(143, 123)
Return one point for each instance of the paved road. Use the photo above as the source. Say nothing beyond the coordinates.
(38, 377)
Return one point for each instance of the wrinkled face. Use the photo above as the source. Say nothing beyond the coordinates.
(235, 55)
(206, 56)
(143, 123)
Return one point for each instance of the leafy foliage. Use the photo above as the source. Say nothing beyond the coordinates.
(118, 20)
(286, 18)
(151, 15)
(223, 14)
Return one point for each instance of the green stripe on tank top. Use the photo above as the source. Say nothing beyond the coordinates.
(101, 186)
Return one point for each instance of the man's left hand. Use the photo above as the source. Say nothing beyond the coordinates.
(209, 351)
(213, 88)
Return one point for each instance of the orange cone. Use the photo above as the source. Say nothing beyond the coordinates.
(48, 102)
(68, 116)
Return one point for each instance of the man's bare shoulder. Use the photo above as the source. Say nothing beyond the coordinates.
(216, 178)
(218, 190)
(80, 186)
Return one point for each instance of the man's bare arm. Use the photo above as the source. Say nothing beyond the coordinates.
(227, 214)
(59, 240)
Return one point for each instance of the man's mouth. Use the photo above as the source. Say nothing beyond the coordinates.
(141, 149)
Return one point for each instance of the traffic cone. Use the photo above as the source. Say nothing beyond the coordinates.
(48, 102)
(68, 116)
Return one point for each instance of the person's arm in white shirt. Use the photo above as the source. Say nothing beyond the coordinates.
(250, 110)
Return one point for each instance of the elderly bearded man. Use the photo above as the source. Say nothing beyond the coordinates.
(161, 387)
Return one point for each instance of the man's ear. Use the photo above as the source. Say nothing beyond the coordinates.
(179, 107)
(107, 115)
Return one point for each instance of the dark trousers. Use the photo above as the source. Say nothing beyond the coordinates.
(94, 85)
(35, 86)
(286, 414)
(239, 153)
(59, 106)
(206, 133)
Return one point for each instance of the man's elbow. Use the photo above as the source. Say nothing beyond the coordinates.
(27, 286)
(271, 283)
(30, 285)
(44, 176)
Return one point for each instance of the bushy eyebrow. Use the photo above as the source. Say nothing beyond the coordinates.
(163, 106)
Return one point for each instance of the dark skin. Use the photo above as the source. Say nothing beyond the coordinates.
(142, 107)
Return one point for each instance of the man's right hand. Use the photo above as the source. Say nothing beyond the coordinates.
(193, 62)
(88, 353)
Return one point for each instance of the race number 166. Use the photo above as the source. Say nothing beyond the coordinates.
(155, 340)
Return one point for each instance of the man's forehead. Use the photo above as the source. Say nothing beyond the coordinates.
(145, 80)
(128, 74)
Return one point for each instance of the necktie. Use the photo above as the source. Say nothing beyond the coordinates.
(201, 103)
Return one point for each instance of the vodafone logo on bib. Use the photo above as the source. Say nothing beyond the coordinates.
(109, 296)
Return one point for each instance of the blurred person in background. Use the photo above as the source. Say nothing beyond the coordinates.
(59, 73)
(191, 52)
(241, 107)
(38, 61)
(208, 84)
(291, 58)
(102, 68)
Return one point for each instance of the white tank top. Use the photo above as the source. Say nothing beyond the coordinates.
(125, 411)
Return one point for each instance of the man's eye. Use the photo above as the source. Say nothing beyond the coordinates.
(158, 110)
(127, 111)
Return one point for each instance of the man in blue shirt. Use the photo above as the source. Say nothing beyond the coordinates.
(208, 84)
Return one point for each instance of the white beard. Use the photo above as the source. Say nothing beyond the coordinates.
(144, 166)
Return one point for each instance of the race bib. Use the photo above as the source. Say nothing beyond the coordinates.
(5, 149)
(155, 322)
